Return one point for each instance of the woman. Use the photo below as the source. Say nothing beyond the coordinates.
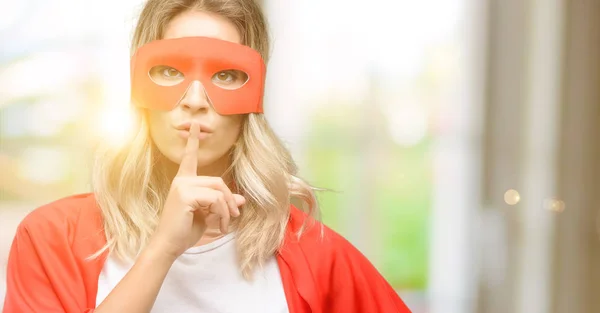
(193, 214)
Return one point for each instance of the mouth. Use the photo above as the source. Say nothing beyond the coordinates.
(183, 130)
(186, 127)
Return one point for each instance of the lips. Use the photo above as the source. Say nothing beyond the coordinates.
(186, 127)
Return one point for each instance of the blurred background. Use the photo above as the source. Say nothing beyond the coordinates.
(461, 138)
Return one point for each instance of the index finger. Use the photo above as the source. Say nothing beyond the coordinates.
(189, 162)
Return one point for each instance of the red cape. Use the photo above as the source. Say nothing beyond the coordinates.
(48, 271)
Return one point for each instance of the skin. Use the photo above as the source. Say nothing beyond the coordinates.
(214, 147)
(199, 196)
(213, 150)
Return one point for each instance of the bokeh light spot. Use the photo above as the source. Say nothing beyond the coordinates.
(512, 197)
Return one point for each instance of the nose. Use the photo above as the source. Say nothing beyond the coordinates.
(195, 97)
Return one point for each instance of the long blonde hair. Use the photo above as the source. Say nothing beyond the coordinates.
(131, 186)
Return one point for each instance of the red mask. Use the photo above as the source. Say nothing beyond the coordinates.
(232, 74)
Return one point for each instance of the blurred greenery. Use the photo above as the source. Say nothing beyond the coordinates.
(401, 200)
(25, 146)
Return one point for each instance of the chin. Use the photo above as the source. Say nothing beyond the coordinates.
(207, 159)
(172, 153)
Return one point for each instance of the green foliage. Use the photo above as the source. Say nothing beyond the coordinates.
(399, 203)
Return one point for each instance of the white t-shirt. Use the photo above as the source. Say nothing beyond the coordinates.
(207, 279)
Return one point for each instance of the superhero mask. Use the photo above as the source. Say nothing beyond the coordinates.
(232, 74)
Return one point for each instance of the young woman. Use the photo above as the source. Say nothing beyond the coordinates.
(193, 214)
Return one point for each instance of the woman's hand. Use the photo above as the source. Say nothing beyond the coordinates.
(191, 201)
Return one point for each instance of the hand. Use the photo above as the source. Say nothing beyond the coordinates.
(191, 201)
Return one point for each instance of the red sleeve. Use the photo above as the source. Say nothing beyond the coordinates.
(42, 273)
(356, 286)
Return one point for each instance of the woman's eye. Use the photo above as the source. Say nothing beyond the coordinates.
(171, 72)
(224, 76)
(165, 75)
(230, 79)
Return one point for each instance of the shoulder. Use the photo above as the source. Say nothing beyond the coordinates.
(322, 246)
(48, 263)
(313, 233)
(333, 273)
(64, 216)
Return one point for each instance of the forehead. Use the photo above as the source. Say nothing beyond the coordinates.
(197, 23)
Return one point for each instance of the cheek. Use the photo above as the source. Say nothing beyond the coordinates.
(232, 127)
(159, 125)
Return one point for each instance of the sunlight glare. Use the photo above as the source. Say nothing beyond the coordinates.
(115, 125)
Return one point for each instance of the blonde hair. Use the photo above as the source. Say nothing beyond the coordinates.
(131, 189)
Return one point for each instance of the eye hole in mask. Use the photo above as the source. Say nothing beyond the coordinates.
(230, 79)
(163, 75)
(167, 76)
